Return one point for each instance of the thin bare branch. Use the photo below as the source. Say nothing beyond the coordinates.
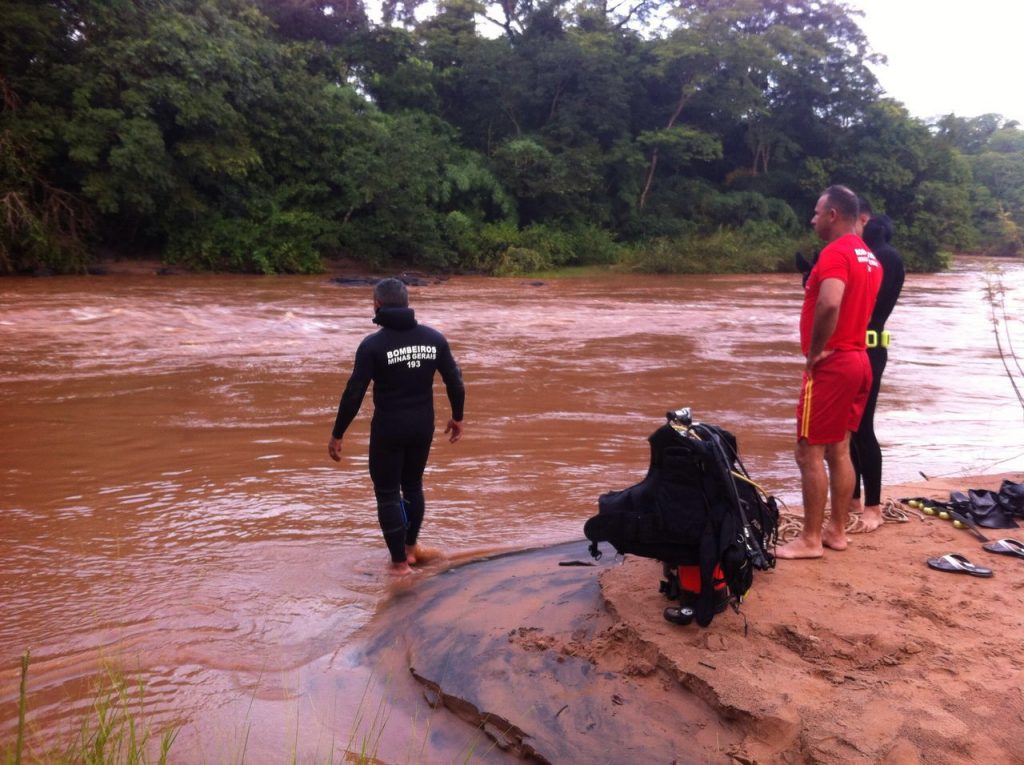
(991, 291)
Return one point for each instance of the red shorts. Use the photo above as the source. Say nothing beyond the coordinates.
(832, 400)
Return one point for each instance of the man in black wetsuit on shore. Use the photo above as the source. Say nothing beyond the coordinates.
(401, 359)
(865, 452)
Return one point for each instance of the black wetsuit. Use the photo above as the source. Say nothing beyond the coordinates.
(864, 450)
(400, 359)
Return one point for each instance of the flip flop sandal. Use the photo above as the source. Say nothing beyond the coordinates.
(957, 564)
(1005, 547)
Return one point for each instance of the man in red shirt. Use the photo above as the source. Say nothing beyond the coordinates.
(838, 300)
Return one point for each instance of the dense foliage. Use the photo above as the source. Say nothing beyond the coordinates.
(265, 135)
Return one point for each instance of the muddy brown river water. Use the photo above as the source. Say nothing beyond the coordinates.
(167, 506)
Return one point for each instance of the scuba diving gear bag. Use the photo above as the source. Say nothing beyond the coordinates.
(696, 506)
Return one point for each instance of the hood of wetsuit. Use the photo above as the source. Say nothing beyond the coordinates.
(393, 317)
(877, 231)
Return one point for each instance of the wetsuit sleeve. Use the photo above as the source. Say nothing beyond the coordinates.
(355, 389)
(452, 376)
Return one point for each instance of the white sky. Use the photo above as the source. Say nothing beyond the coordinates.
(964, 57)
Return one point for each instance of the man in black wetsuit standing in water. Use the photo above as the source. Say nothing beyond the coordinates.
(400, 358)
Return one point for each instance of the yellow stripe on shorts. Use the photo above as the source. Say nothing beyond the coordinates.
(805, 421)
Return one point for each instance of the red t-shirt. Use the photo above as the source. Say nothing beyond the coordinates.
(849, 260)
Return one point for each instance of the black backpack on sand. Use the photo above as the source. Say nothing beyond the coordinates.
(696, 506)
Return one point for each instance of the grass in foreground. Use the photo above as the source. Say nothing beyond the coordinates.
(112, 733)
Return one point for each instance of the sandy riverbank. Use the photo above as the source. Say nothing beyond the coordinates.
(865, 656)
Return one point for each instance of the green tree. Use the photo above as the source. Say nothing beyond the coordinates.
(783, 77)
(967, 135)
(262, 135)
(45, 223)
(922, 184)
(998, 168)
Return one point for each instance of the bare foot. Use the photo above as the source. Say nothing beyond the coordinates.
(798, 549)
(872, 517)
(423, 555)
(833, 539)
(399, 569)
(410, 554)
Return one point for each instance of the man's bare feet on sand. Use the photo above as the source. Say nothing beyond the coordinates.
(798, 549)
(834, 539)
(410, 554)
(872, 518)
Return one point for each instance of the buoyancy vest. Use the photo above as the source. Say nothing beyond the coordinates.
(696, 506)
